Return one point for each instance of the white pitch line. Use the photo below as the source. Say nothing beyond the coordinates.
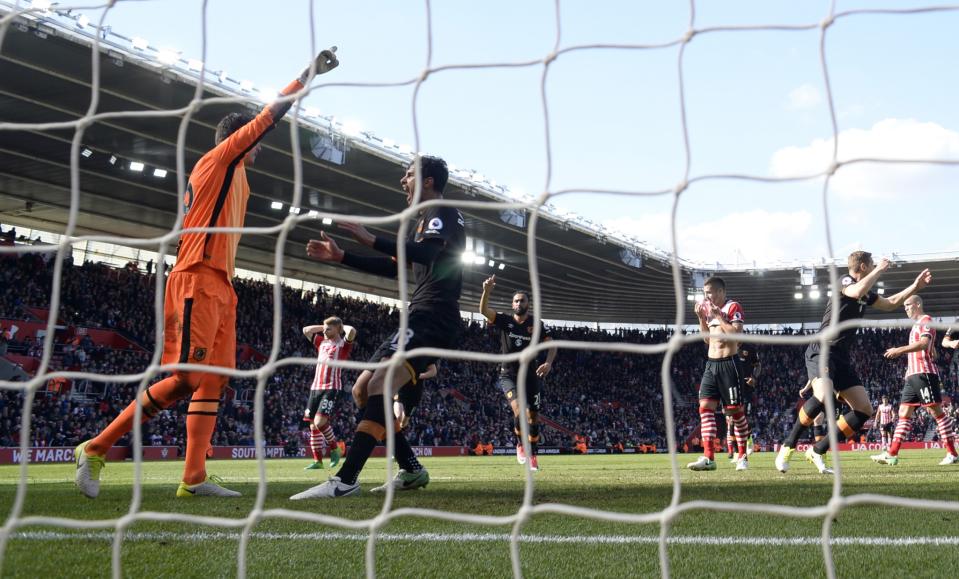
(491, 537)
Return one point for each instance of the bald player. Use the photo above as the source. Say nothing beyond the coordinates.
(922, 386)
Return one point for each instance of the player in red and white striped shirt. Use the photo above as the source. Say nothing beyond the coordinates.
(922, 386)
(885, 419)
(333, 341)
(723, 380)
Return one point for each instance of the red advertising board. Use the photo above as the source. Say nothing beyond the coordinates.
(249, 452)
(241, 452)
(874, 446)
(12, 455)
(428, 451)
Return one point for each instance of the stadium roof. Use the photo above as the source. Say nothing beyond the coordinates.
(587, 273)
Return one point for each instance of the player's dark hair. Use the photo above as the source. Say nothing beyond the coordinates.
(858, 258)
(230, 124)
(524, 293)
(715, 281)
(436, 168)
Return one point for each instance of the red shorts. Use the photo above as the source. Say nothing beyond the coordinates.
(199, 322)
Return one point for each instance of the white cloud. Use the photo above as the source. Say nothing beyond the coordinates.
(901, 139)
(805, 96)
(737, 237)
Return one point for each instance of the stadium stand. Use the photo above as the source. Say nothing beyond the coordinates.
(609, 398)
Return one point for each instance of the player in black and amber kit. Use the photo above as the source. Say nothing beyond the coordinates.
(435, 250)
(515, 333)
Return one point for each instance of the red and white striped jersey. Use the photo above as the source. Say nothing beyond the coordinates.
(327, 377)
(922, 362)
(886, 413)
(732, 313)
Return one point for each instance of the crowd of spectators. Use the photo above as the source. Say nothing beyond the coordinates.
(611, 398)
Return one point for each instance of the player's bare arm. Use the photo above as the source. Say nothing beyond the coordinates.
(431, 372)
(547, 366)
(701, 314)
(893, 353)
(484, 308)
(894, 302)
(310, 331)
(350, 333)
(948, 342)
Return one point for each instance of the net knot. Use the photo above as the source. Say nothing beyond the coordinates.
(680, 187)
(827, 22)
(689, 35)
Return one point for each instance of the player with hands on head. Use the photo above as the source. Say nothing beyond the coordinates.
(515, 333)
(200, 304)
(333, 340)
(885, 420)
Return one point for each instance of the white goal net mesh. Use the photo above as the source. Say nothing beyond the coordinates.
(39, 17)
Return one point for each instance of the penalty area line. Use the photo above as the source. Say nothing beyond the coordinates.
(491, 537)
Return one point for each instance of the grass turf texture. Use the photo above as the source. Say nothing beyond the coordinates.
(494, 486)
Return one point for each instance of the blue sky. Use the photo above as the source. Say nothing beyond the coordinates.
(756, 104)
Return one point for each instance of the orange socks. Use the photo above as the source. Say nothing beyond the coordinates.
(155, 398)
(200, 422)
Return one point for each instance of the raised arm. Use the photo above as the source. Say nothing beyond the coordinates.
(484, 308)
(858, 290)
(310, 331)
(244, 138)
(350, 332)
(894, 302)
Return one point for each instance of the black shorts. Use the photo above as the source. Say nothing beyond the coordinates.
(887, 427)
(426, 330)
(321, 402)
(507, 384)
(921, 390)
(409, 396)
(723, 380)
(841, 372)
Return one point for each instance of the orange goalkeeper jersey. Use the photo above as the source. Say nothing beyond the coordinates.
(217, 195)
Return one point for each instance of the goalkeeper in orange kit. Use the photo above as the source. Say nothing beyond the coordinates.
(200, 304)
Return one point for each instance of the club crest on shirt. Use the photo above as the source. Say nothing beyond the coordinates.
(435, 224)
(199, 354)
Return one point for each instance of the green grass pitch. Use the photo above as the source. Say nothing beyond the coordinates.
(704, 543)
